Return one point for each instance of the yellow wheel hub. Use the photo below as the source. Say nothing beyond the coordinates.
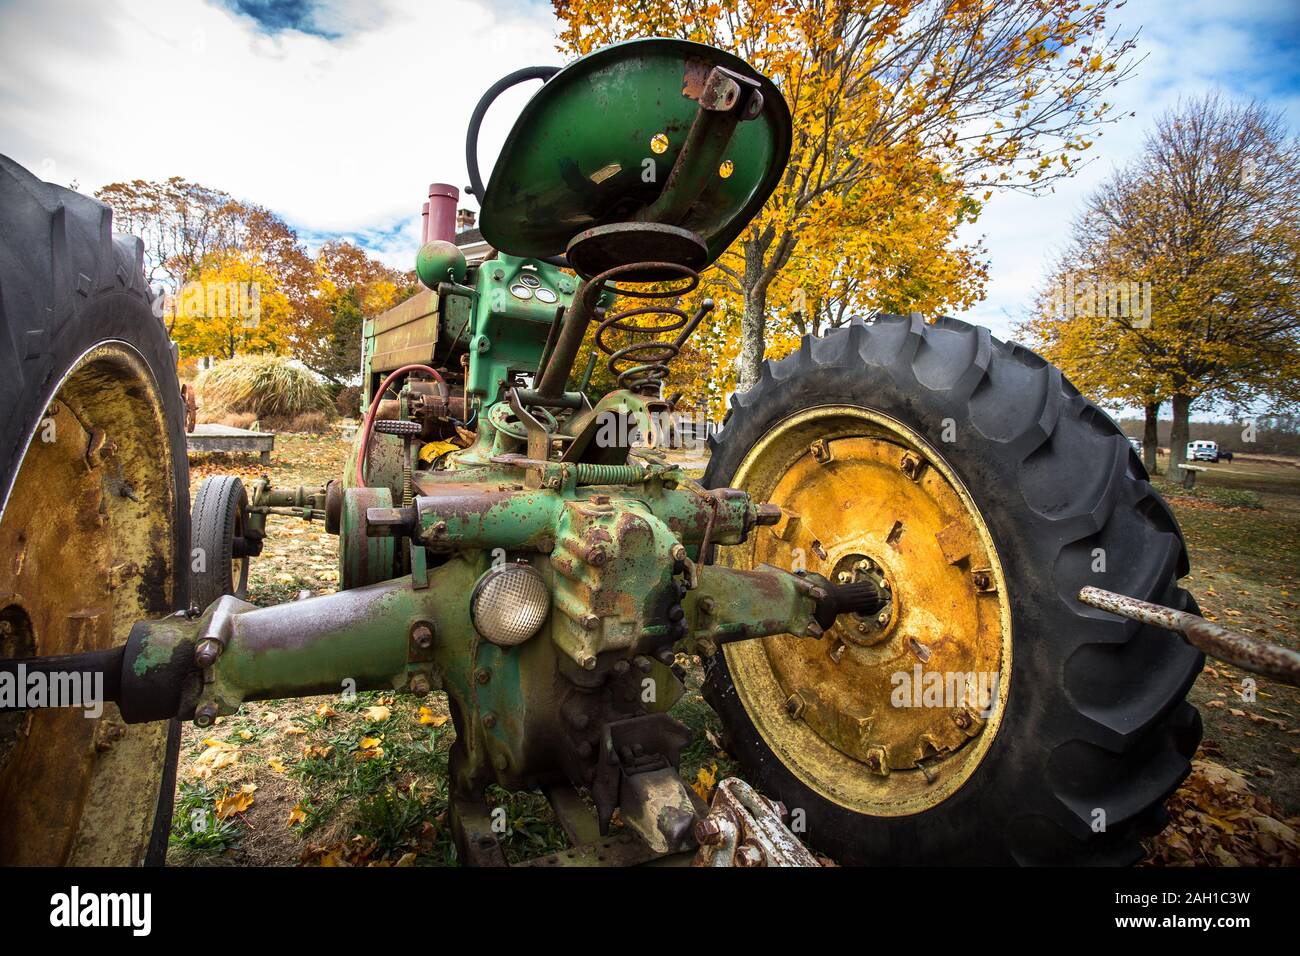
(888, 714)
(86, 549)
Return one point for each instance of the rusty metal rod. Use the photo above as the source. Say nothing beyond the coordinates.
(1249, 653)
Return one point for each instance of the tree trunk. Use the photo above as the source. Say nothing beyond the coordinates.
(1151, 437)
(1178, 437)
(752, 343)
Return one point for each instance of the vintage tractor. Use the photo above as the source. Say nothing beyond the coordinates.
(881, 567)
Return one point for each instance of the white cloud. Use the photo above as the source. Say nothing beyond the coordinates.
(339, 136)
(343, 136)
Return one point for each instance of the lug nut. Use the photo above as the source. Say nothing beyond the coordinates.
(418, 685)
(422, 636)
(748, 855)
(708, 832)
(794, 705)
(207, 652)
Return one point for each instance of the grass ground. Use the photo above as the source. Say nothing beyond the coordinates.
(329, 781)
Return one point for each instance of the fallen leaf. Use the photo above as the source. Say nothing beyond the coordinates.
(377, 715)
(229, 804)
(429, 718)
(298, 814)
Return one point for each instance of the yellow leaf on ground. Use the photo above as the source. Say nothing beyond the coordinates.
(295, 731)
(276, 764)
(325, 712)
(377, 715)
(367, 742)
(428, 717)
(407, 859)
(321, 753)
(218, 756)
(706, 778)
(298, 814)
(230, 804)
(368, 753)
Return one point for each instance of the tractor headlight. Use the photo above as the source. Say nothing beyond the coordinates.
(510, 604)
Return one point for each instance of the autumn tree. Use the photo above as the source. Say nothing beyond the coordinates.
(1203, 230)
(180, 223)
(348, 285)
(899, 107)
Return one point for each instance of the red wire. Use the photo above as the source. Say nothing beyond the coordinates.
(368, 423)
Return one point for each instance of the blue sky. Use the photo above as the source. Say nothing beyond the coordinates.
(338, 115)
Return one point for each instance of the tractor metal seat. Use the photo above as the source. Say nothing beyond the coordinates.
(650, 150)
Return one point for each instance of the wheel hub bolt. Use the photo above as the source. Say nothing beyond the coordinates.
(207, 652)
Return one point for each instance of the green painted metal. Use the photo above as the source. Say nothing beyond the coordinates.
(580, 153)
(439, 261)
(617, 539)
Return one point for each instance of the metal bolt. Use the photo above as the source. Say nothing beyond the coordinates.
(590, 622)
(489, 720)
(883, 617)
(707, 605)
(837, 652)
(418, 685)
(588, 662)
(600, 499)
(596, 555)
(876, 761)
(708, 832)
(205, 715)
(422, 636)
(621, 667)
(817, 593)
(747, 854)
(813, 630)
(440, 527)
(794, 705)
(678, 552)
(482, 675)
(961, 719)
(821, 452)
(643, 664)
(981, 580)
(844, 577)
(207, 652)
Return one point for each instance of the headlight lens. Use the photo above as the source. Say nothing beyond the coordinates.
(510, 604)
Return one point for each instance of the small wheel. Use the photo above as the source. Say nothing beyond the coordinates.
(985, 715)
(218, 520)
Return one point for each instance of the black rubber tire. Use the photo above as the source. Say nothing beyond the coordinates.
(68, 283)
(1096, 715)
(218, 510)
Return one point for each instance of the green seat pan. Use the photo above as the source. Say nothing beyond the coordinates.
(577, 155)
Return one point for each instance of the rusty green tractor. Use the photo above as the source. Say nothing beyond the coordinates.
(884, 568)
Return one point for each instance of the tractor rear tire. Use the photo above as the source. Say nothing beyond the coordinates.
(1093, 733)
(218, 518)
(94, 520)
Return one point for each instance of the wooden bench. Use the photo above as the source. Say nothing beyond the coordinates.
(1189, 474)
(225, 438)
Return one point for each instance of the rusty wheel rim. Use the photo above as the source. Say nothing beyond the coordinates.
(87, 548)
(857, 715)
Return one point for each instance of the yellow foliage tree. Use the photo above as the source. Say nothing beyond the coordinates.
(233, 305)
(1180, 282)
(903, 112)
